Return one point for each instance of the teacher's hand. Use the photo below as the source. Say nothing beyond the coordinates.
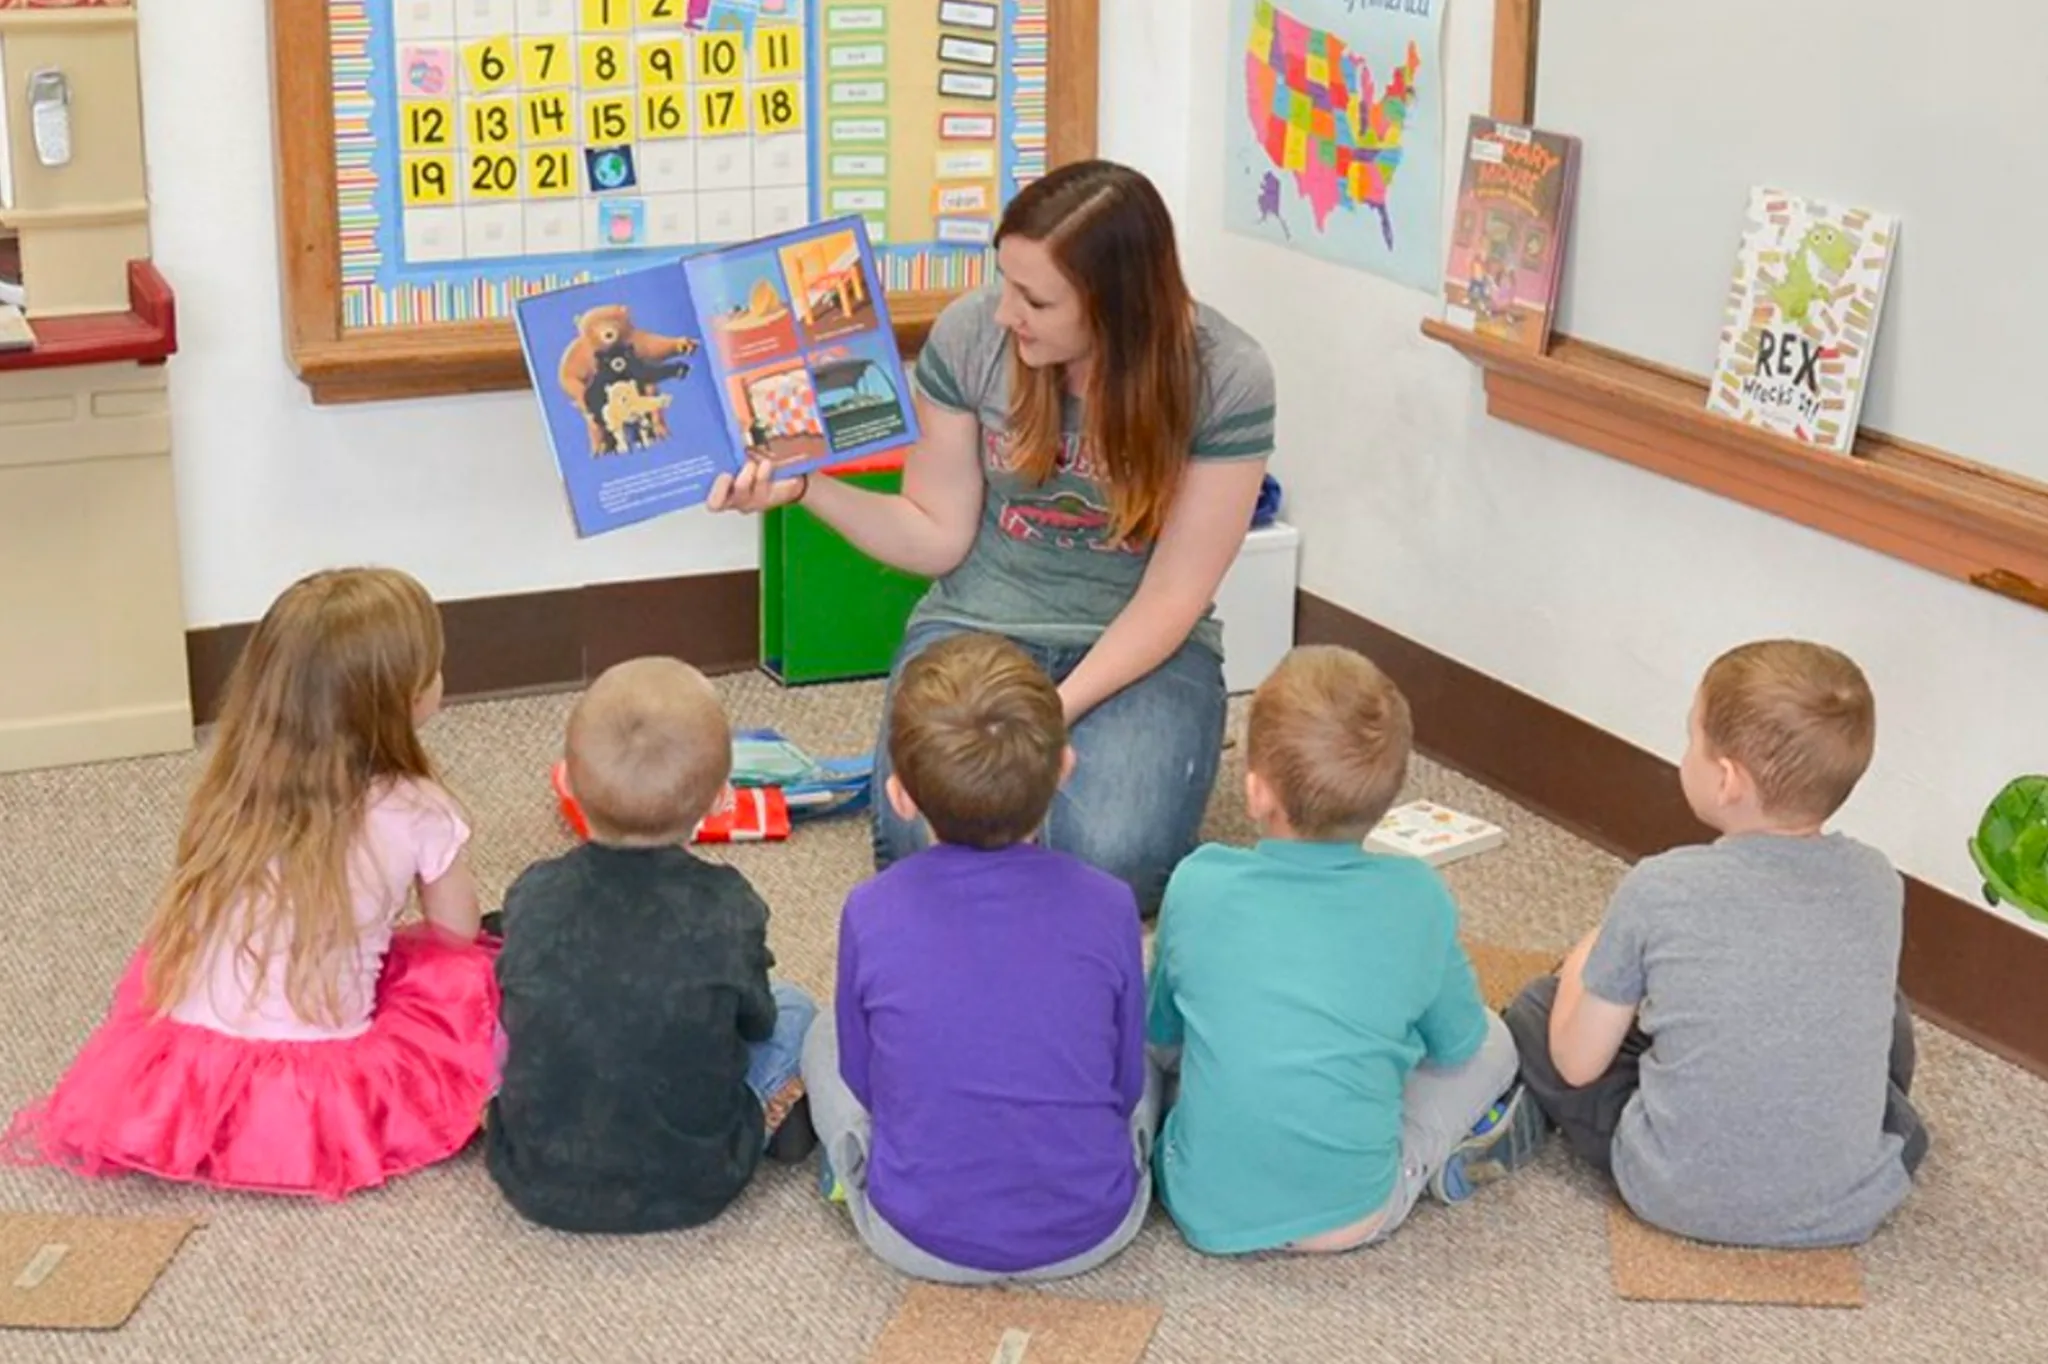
(753, 490)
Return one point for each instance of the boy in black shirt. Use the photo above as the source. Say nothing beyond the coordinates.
(648, 1057)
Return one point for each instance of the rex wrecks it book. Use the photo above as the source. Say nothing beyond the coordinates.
(1801, 318)
(654, 381)
(1514, 215)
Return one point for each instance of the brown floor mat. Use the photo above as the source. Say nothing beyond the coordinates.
(1503, 971)
(998, 1326)
(1655, 1266)
(81, 1273)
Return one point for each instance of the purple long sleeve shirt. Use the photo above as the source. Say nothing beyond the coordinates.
(991, 1011)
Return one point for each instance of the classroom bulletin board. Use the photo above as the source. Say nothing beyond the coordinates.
(440, 159)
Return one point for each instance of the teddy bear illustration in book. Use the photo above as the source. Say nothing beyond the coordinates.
(609, 350)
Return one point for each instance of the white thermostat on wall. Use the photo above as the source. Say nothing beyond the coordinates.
(49, 109)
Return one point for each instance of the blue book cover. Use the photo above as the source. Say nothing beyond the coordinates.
(654, 381)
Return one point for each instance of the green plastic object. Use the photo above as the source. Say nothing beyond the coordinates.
(829, 613)
(2011, 846)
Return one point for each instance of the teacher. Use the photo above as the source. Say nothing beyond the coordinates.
(1092, 449)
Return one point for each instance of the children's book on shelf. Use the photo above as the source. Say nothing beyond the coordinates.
(1802, 315)
(654, 381)
(1508, 237)
(1435, 833)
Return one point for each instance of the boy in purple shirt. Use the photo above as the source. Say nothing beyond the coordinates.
(981, 1090)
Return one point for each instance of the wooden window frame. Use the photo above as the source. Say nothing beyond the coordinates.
(1950, 515)
(376, 364)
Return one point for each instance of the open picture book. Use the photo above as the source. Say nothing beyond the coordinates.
(654, 381)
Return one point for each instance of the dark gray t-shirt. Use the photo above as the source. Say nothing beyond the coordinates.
(1043, 567)
(1765, 969)
(634, 981)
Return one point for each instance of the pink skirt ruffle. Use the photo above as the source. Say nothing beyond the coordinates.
(325, 1118)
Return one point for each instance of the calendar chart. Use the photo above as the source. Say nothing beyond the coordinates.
(484, 150)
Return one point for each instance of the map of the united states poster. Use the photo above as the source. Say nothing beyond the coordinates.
(1334, 138)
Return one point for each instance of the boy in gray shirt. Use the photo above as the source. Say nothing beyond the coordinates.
(1729, 1043)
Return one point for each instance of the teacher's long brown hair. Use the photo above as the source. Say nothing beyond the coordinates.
(1108, 230)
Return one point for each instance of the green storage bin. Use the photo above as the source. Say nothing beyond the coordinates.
(829, 613)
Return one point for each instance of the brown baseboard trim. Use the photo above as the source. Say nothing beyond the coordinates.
(1964, 967)
(549, 641)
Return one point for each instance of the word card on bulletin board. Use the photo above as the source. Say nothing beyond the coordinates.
(439, 159)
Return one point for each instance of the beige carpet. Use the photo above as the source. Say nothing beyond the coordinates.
(436, 1267)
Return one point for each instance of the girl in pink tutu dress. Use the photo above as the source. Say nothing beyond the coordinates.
(277, 1031)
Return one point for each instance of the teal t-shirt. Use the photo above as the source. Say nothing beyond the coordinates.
(1302, 982)
(1043, 567)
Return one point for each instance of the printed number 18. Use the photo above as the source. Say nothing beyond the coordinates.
(777, 109)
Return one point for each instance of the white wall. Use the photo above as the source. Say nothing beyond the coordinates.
(1595, 586)
(1877, 126)
(461, 492)
(1598, 587)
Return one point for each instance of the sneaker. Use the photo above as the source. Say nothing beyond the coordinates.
(829, 1187)
(1503, 1141)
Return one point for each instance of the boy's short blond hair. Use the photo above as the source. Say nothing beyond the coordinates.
(649, 750)
(978, 737)
(1797, 716)
(1330, 734)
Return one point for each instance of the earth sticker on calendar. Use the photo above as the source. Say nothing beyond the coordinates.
(1333, 141)
(490, 149)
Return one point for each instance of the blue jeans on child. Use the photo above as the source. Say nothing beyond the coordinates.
(773, 1064)
(1145, 760)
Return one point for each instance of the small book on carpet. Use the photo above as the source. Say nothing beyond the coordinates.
(1435, 833)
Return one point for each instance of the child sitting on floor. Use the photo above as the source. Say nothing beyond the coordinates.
(1727, 1043)
(276, 1032)
(1334, 1056)
(980, 1088)
(648, 1056)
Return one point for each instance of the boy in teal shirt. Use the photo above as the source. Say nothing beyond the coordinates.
(1334, 1056)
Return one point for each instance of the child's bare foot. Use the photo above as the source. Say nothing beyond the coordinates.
(793, 1136)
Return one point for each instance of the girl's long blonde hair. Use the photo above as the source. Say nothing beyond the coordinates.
(318, 711)
(1111, 235)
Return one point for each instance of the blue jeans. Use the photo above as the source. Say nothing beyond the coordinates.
(1145, 760)
(773, 1064)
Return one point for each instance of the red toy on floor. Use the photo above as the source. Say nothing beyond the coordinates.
(748, 814)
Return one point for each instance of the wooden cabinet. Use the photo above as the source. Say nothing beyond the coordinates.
(92, 627)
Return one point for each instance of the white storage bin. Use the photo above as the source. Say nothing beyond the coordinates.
(1256, 605)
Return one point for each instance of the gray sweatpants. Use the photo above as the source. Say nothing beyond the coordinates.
(1440, 1105)
(1439, 1109)
(845, 1129)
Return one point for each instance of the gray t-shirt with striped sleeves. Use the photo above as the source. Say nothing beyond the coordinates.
(1043, 568)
